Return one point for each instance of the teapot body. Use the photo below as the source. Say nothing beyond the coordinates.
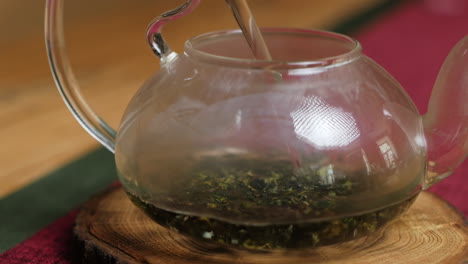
(319, 146)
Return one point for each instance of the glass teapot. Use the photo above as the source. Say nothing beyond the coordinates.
(317, 146)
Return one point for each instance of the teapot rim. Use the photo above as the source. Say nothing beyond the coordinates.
(352, 54)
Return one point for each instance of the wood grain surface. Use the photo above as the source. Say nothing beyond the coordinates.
(111, 59)
(110, 229)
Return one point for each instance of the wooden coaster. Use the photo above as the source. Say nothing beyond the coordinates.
(110, 229)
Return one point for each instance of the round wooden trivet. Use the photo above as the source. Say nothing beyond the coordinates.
(110, 229)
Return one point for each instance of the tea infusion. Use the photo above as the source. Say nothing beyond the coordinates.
(252, 188)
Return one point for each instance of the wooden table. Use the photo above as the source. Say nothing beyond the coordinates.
(108, 51)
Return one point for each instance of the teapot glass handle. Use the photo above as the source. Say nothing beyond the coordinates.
(66, 81)
(153, 33)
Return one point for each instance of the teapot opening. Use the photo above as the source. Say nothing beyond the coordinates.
(290, 48)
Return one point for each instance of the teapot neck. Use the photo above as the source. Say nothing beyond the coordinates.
(317, 49)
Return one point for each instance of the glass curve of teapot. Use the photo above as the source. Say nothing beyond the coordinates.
(319, 145)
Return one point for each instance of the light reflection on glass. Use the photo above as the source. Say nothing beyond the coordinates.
(305, 71)
(366, 162)
(238, 119)
(388, 152)
(323, 125)
(327, 175)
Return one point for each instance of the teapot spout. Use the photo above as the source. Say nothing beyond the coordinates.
(446, 121)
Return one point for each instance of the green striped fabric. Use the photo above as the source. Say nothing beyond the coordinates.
(38, 204)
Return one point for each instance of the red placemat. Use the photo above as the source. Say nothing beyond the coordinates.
(51, 245)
